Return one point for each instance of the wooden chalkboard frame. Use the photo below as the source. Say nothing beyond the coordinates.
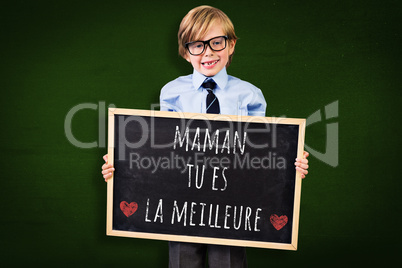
(207, 240)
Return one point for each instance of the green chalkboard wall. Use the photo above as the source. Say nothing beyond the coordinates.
(336, 63)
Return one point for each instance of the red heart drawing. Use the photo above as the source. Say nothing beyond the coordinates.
(278, 222)
(128, 209)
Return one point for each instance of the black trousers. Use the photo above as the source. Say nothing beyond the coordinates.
(192, 255)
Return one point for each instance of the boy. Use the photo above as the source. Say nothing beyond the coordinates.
(207, 40)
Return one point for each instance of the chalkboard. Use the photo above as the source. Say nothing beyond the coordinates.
(213, 179)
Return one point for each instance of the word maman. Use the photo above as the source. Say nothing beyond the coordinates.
(210, 142)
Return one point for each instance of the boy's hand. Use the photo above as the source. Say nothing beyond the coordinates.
(302, 165)
(107, 169)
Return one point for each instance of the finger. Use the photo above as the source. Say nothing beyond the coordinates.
(303, 161)
(107, 166)
(305, 154)
(301, 165)
(107, 176)
(107, 171)
(302, 171)
(105, 157)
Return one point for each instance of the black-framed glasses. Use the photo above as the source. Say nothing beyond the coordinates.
(198, 47)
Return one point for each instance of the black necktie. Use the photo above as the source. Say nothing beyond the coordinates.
(212, 101)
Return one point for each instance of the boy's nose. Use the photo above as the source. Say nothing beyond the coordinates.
(208, 50)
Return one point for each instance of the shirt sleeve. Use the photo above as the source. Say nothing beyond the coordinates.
(167, 99)
(257, 106)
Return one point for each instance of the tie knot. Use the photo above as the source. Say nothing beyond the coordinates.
(209, 83)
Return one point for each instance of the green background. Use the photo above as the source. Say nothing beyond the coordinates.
(303, 55)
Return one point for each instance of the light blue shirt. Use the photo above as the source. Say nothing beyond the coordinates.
(236, 97)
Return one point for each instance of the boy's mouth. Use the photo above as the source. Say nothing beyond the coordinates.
(209, 64)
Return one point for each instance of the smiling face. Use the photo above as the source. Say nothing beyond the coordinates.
(210, 62)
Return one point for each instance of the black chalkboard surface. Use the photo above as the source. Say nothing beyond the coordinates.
(213, 179)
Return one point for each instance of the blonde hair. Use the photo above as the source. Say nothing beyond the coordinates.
(198, 22)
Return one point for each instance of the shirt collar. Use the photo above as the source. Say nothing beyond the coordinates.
(221, 79)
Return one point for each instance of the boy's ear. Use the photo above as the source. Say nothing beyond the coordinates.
(232, 44)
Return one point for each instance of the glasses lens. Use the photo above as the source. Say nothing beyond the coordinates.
(196, 48)
(218, 43)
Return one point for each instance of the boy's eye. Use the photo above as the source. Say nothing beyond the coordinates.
(197, 45)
